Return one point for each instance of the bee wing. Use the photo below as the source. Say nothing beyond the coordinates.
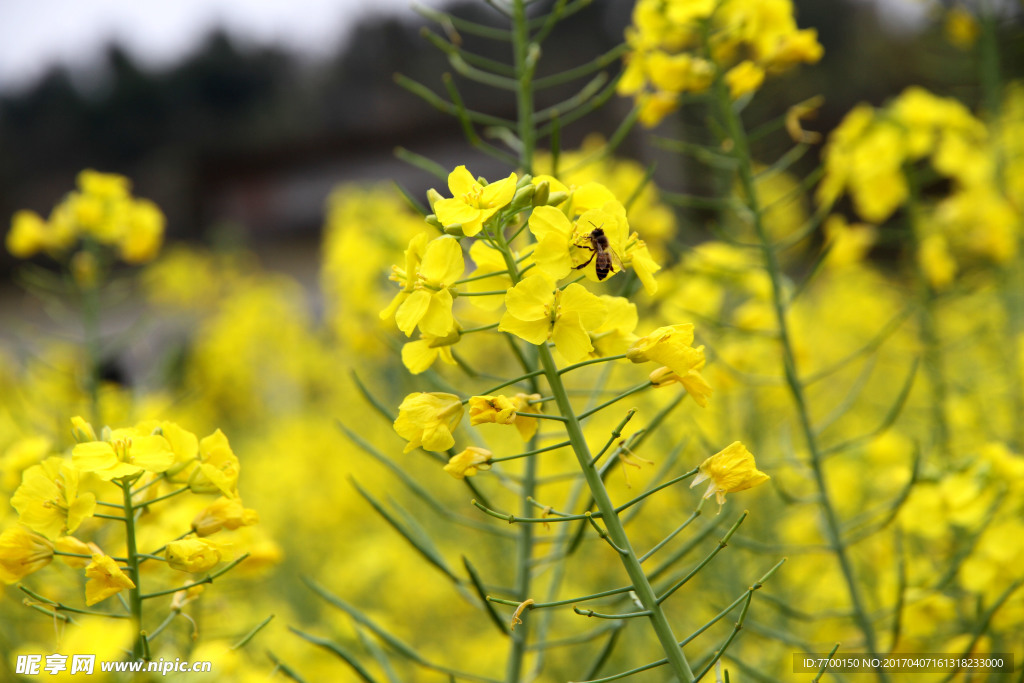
(616, 261)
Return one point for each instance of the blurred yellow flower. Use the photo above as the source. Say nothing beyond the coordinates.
(681, 46)
(143, 232)
(47, 500)
(30, 234)
(82, 430)
(102, 210)
(224, 513)
(21, 553)
(192, 555)
(731, 469)
(473, 203)
(468, 462)
(218, 467)
(105, 579)
(745, 77)
(426, 420)
(961, 27)
(936, 261)
(103, 185)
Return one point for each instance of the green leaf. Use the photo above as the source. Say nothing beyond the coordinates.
(414, 536)
(474, 578)
(338, 651)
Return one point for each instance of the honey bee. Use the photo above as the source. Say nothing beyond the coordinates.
(602, 255)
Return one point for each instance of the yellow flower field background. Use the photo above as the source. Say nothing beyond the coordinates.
(550, 422)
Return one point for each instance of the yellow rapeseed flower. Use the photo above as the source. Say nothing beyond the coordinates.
(425, 299)
(615, 335)
(72, 547)
(105, 579)
(745, 77)
(527, 426)
(224, 513)
(564, 245)
(48, 501)
(192, 555)
(473, 203)
(426, 420)
(218, 467)
(961, 27)
(143, 232)
(488, 260)
(127, 453)
(680, 46)
(671, 346)
(419, 355)
(468, 462)
(30, 234)
(21, 553)
(538, 311)
(731, 469)
(497, 409)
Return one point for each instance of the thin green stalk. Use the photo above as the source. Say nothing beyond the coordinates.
(525, 57)
(91, 331)
(833, 528)
(928, 332)
(524, 553)
(616, 533)
(135, 593)
(626, 394)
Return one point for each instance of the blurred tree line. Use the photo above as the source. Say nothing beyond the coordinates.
(225, 113)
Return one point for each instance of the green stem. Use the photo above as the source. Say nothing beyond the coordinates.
(524, 63)
(209, 578)
(134, 594)
(91, 332)
(833, 527)
(616, 533)
(625, 394)
(928, 328)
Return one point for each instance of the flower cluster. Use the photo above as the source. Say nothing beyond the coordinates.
(872, 156)
(685, 46)
(580, 229)
(141, 466)
(102, 212)
(579, 232)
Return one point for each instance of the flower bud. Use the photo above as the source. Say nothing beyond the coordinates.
(432, 197)
(192, 555)
(556, 198)
(224, 513)
(82, 430)
(523, 198)
(540, 195)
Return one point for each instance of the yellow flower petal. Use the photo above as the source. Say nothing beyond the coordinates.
(531, 299)
(105, 579)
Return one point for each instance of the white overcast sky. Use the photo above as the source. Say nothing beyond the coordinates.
(35, 34)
